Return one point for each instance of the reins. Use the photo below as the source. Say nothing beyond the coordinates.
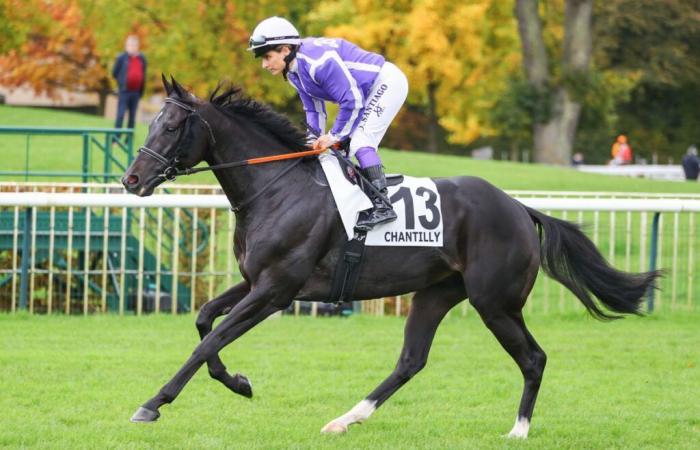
(252, 161)
(171, 171)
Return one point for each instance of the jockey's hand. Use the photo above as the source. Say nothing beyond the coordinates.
(324, 141)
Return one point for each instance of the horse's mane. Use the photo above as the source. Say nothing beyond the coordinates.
(231, 101)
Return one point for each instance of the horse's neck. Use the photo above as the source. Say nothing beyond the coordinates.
(242, 183)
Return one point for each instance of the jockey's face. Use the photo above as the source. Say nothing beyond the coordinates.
(274, 60)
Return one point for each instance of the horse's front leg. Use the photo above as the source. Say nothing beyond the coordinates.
(221, 305)
(250, 311)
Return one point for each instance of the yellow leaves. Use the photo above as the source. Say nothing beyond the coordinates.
(465, 49)
(468, 19)
(462, 129)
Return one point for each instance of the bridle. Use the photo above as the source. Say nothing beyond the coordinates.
(171, 171)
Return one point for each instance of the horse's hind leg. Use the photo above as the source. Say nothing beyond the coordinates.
(509, 328)
(205, 319)
(428, 308)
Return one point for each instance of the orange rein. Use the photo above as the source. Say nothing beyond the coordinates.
(267, 159)
(252, 161)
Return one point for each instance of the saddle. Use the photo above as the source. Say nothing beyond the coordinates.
(350, 170)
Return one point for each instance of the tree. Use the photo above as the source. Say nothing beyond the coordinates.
(561, 92)
(72, 44)
(656, 48)
(59, 52)
(200, 42)
(456, 55)
(13, 25)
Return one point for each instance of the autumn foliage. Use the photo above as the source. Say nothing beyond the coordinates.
(469, 81)
(59, 52)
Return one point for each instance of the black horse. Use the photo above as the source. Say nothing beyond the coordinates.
(289, 238)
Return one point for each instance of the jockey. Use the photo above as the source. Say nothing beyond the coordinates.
(368, 90)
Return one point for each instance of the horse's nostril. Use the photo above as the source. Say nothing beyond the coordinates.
(132, 179)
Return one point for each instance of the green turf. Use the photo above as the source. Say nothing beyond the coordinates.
(70, 382)
(65, 154)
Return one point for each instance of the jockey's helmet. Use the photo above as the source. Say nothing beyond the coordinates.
(271, 32)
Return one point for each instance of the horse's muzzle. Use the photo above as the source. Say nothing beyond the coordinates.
(131, 180)
(135, 184)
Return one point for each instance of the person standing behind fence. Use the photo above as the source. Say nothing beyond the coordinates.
(130, 73)
(621, 151)
(691, 164)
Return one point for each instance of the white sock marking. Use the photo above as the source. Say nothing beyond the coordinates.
(358, 414)
(520, 429)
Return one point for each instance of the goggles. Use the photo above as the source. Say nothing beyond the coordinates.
(259, 40)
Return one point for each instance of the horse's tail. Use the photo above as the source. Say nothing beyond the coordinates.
(572, 259)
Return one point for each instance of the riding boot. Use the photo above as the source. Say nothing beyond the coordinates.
(380, 212)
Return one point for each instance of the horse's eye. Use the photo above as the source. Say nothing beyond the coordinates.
(171, 129)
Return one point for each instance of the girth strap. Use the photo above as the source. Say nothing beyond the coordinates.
(347, 272)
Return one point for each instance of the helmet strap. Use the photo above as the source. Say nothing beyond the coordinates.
(288, 59)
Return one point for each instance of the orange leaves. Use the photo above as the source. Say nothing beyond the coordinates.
(59, 52)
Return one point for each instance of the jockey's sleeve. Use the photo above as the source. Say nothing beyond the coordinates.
(335, 78)
(315, 110)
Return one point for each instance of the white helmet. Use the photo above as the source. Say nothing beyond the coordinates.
(271, 32)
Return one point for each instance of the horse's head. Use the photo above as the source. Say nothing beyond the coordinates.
(178, 138)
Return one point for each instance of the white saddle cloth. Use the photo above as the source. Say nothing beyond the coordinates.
(416, 202)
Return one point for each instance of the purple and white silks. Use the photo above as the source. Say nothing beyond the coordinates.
(368, 90)
(333, 70)
(367, 157)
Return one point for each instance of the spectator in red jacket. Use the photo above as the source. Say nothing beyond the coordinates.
(130, 73)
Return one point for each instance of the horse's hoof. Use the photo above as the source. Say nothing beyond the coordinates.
(334, 428)
(512, 435)
(520, 429)
(243, 386)
(145, 415)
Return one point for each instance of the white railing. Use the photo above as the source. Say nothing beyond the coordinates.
(653, 171)
(601, 194)
(210, 189)
(44, 199)
(118, 265)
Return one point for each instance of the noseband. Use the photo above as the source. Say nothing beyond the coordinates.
(171, 171)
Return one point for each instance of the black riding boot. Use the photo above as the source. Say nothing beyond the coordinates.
(380, 212)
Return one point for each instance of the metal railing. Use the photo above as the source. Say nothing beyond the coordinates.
(95, 261)
(105, 152)
(59, 232)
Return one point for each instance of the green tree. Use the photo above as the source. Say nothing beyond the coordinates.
(656, 47)
(562, 91)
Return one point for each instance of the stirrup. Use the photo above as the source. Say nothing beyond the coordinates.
(368, 219)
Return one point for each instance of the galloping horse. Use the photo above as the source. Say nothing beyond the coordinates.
(493, 248)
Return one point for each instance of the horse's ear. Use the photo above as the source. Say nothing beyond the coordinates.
(177, 87)
(168, 87)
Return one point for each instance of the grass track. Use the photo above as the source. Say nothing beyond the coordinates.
(70, 382)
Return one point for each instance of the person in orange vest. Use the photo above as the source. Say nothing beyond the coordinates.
(621, 151)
